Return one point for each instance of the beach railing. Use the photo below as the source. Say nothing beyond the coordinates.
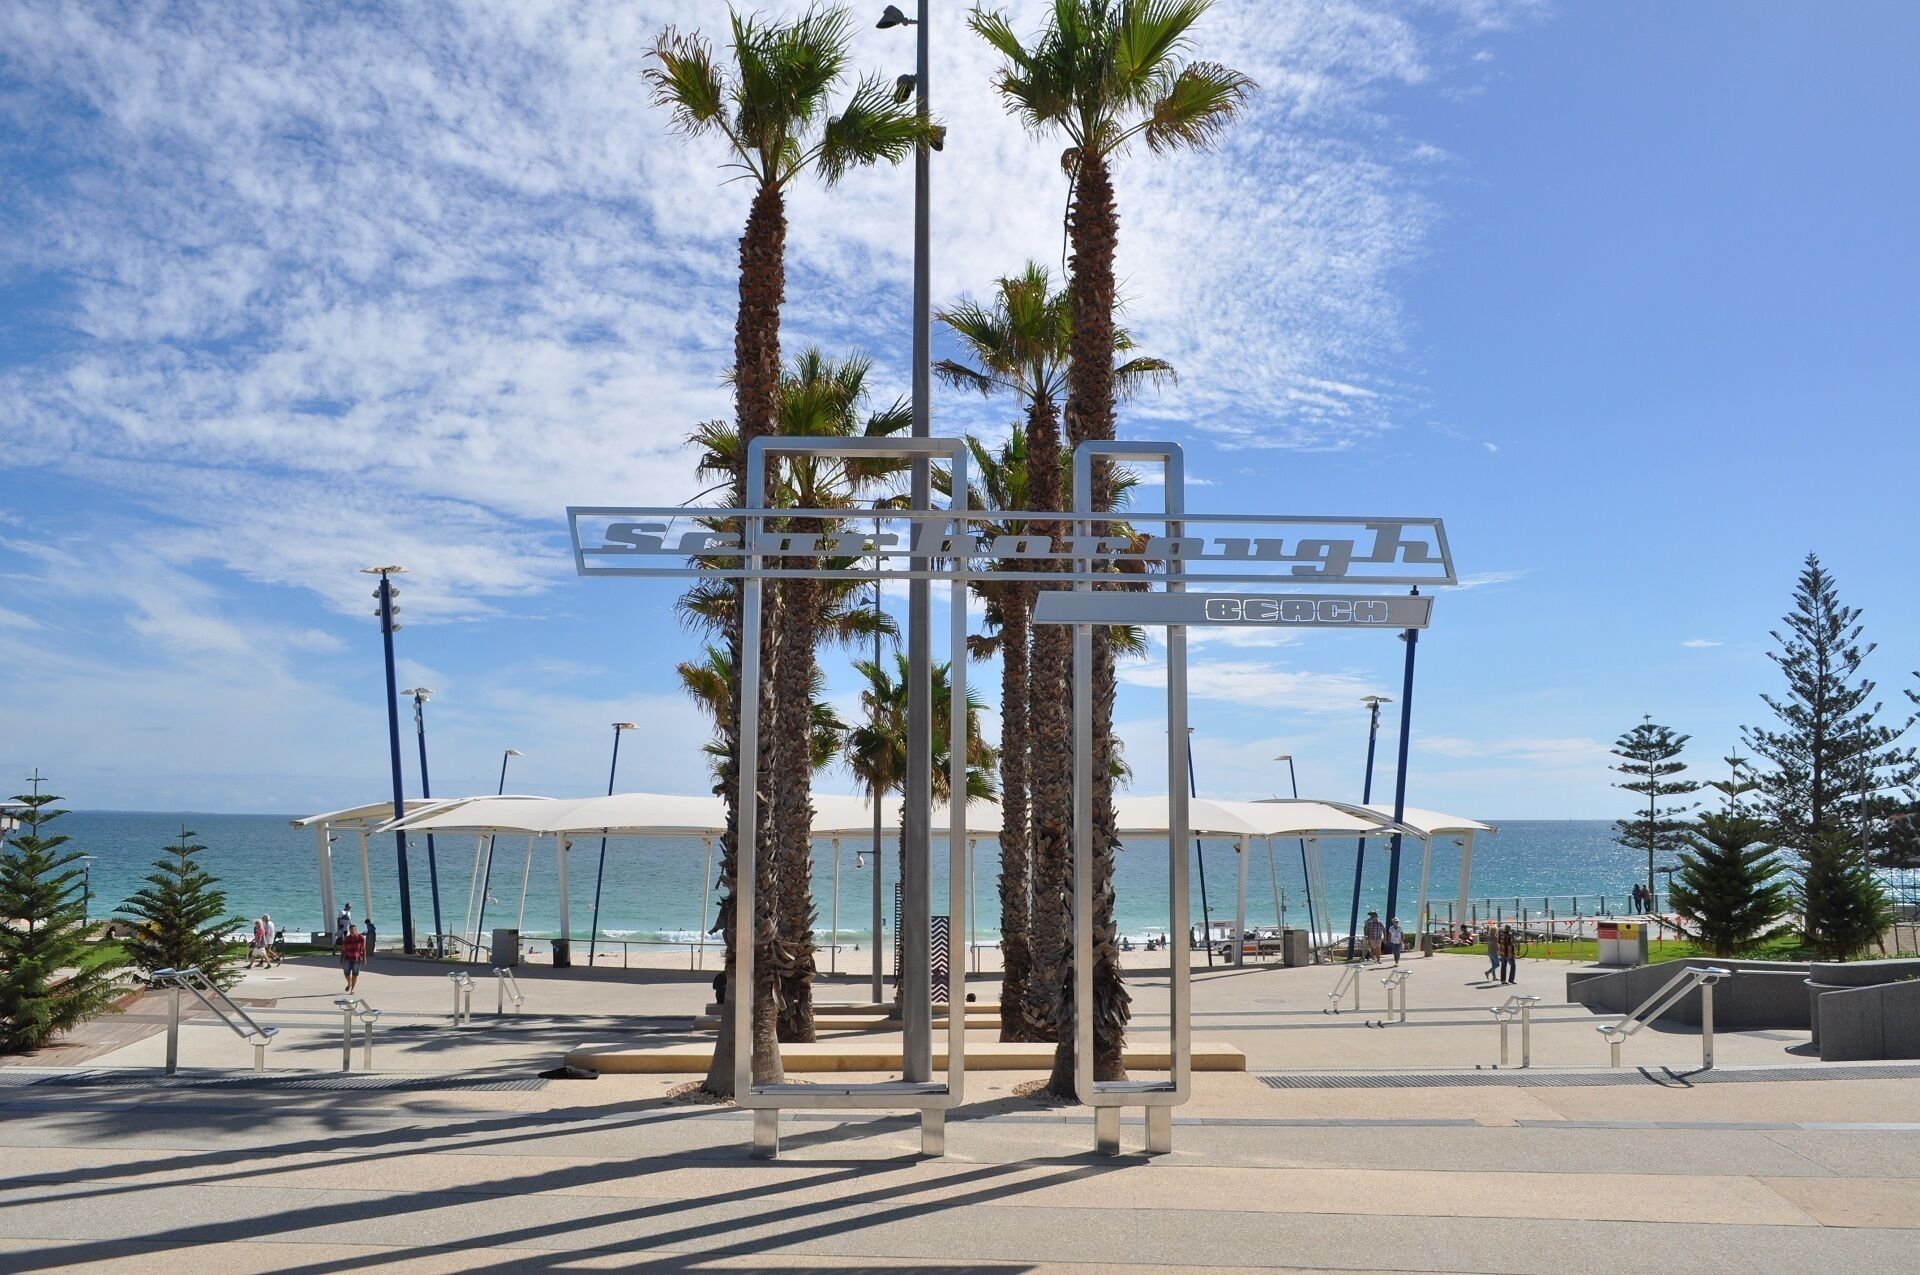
(506, 986)
(209, 993)
(462, 997)
(1518, 1006)
(1701, 976)
(352, 1007)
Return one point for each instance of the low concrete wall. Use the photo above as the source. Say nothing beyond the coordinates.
(1860, 1023)
(1762, 994)
(1828, 978)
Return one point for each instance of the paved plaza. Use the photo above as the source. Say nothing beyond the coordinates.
(1344, 1147)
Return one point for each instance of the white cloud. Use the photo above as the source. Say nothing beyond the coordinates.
(1699, 644)
(1486, 579)
(1256, 684)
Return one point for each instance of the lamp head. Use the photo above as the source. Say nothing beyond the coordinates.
(625, 726)
(891, 17)
(383, 571)
(513, 752)
(903, 88)
(1375, 701)
(419, 692)
(1284, 757)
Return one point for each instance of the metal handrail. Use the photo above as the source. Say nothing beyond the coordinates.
(206, 991)
(1703, 977)
(352, 1007)
(1396, 984)
(507, 987)
(462, 996)
(1519, 1005)
(1349, 979)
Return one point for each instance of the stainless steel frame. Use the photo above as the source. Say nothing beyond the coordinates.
(913, 1092)
(1106, 1097)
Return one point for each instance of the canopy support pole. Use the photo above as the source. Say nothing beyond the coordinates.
(1420, 912)
(1240, 906)
(526, 879)
(366, 880)
(973, 906)
(1273, 874)
(833, 938)
(563, 945)
(706, 896)
(470, 920)
(323, 852)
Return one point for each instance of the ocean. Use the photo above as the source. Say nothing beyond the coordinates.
(652, 888)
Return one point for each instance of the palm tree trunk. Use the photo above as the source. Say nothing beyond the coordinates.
(794, 952)
(1016, 832)
(756, 367)
(1051, 772)
(1094, 231)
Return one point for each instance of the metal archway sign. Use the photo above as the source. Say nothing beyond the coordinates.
(956, 545)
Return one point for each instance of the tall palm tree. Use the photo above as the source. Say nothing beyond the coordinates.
(1103, 73)
(820, 397)
(877, 747)
(1020, 344)
(770, 107)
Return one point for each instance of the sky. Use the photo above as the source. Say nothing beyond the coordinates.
(1623, 292)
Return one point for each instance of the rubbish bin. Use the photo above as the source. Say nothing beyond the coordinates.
(506, 949)
(1294, 949)
(1622, 942)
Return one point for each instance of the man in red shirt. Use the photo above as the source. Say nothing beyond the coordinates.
(353, 951)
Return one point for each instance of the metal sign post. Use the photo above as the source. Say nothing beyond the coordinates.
(750, 545)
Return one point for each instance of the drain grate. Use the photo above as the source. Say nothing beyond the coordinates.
(14, 1078)
(1532, 1079)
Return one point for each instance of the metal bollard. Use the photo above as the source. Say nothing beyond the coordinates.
(260, 1055)
(346, 1033)
(366, 1058)
(1526, 1031)
(1706, 1025)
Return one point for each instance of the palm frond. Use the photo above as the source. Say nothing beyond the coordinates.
(870, 128)
(1197, 107)
(687, 83)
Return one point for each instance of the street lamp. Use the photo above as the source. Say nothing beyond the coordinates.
(386, 594)
(1373, 703)
(1293, 781)
(86, 906)
(420, 696)
(916, 990)
(599, 876)
(486, 879)
(1200, 857)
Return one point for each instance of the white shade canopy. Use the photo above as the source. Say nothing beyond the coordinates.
(368, 816)
(640, 814)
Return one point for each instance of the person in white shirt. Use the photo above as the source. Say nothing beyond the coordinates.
(1395, 938)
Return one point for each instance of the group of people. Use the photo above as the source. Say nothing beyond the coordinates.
(1503, 954)
(1384, 939)
(352, 945)
(263, 951)
(1642, 898)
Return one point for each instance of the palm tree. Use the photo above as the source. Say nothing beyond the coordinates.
(820, 397)
(1021, 344)
(1103, 73)
(770, 107)
(877, 748)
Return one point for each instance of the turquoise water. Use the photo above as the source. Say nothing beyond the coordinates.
(652, 887)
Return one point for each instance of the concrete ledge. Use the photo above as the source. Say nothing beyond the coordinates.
(852, 1023)
(1870, 1022)
(842, 1056)
(1760, 995)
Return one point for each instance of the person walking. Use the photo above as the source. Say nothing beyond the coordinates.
(373, 938)
(353, 953)
(253, 947)
(342, 923)
(268, 956)
(1376, 934)
(1396, 938)
(1509, 955)
(1493, 951)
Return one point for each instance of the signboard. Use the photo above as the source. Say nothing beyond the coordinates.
(1236, 610)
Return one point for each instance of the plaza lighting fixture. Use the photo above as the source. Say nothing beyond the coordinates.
(1373, 703)
(902, 88)
(892, 17)
(1199, 857)
(600, 875)
(386, 595)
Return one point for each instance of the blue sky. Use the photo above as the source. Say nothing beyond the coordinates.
(1624, 292)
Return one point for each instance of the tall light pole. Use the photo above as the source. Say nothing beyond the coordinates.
(915, 973)
(86, 906)
(1373, 703)
(420, 695)
(1199, 857)
(486, 879)
(1293, 781)
(879, 860)
(386, 593)
(1412, 638)
(599, 876)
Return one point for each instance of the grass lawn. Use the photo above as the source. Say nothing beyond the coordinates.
(1781, 946)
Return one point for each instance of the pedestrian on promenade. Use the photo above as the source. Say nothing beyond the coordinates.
(353, 952)
(1493, 951)
(268, 956)
(342, 923)
(1396, 938)
(373, 938)
(254, 944)
(1509, 955)
(1376, 934)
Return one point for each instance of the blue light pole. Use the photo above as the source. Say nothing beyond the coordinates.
(386, 593)
(420, 695)
(601, 875)
(1373, 703)
(1199, 857)
(1293, 781)
(1412, 638)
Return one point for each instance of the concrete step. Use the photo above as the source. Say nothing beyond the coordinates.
(867, 1009)
(848, 1022)
(883, 1056)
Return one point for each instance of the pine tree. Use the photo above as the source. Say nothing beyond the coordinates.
(180, 917)
(1844, 906)
(1729, 888)
(1831, 757)
(51, 977)
(1650, 758)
